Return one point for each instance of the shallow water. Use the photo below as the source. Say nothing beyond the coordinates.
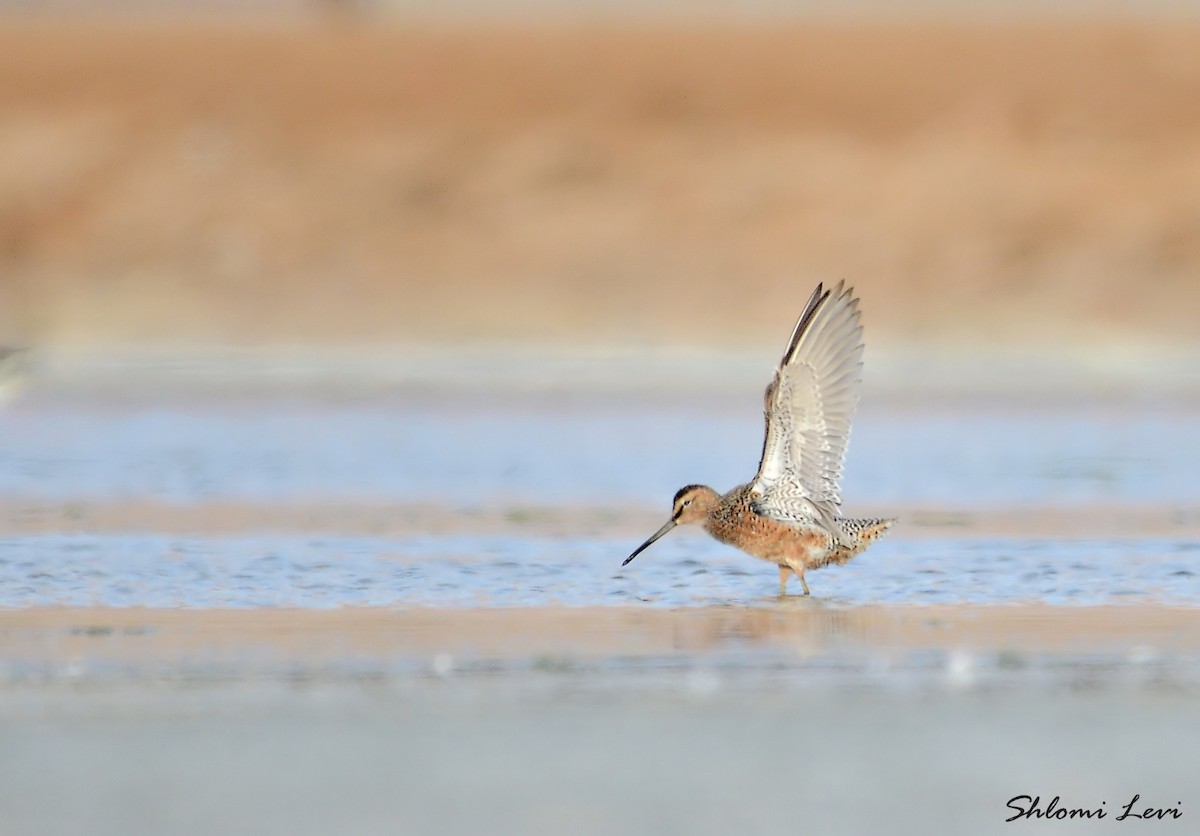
(429, 589)
(599, 459)
(500, 570)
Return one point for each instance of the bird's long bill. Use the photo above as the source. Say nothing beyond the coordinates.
(670, 524)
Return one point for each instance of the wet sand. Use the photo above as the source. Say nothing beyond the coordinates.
(398, 519)
(542, 721)
(78, 645)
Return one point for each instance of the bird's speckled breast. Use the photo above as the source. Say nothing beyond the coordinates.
(733, 521)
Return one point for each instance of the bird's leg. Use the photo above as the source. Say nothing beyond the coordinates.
(784, 571)
(803, 583)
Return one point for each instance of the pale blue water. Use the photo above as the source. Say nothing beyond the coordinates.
(461, 450)
(291, 571)
(586, 455)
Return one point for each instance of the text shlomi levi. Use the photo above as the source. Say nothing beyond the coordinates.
(1030, 807)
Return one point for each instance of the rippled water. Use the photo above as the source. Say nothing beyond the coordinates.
(262, 571)
(466, 453)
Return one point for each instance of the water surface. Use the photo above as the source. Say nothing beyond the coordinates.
(611, 463)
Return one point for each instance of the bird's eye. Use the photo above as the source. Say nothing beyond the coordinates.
(686, 503)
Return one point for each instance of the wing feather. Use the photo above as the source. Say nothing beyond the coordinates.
(810, 404)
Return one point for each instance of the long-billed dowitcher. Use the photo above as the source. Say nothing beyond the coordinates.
(788, 514)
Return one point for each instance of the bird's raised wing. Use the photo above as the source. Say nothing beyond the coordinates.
(809, 406)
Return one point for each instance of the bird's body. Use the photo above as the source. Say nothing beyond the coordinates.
(788, 514)
(793, 547)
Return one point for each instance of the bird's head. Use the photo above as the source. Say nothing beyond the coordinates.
(691, 504)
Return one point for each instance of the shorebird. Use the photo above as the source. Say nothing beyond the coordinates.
(788, 514)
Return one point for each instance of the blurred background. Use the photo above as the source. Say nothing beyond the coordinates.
(325, 174)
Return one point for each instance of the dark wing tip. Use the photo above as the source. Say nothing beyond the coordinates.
(810, 311)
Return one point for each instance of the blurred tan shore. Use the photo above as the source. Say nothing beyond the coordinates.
(1030, 183)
